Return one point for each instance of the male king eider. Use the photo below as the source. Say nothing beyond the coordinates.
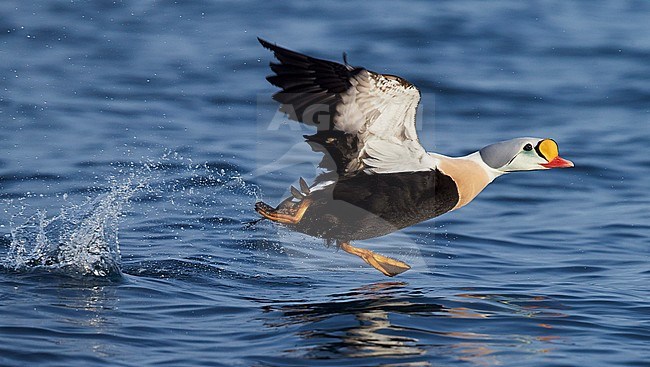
(381, 179)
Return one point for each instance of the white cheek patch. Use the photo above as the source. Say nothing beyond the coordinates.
(525, 162)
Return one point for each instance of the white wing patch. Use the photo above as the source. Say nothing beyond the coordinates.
(384, 156)
(380, 110)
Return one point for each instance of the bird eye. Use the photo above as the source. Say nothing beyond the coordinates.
(528, 147)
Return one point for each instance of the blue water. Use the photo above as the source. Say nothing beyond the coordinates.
(136, 137)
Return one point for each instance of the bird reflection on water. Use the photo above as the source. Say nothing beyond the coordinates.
(364, 323)
(365, 337)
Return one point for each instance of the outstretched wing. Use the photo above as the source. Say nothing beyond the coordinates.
(365, 120)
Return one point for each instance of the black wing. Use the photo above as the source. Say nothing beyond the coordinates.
(311, 87)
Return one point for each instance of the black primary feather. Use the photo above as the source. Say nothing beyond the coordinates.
(311, 87)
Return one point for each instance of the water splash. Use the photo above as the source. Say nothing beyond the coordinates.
(81, 240)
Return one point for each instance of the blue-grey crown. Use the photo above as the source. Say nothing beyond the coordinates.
(499, 154)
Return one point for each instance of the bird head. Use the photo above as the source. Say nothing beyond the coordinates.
(523, 154)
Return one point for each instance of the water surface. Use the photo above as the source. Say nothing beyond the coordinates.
(136, 137)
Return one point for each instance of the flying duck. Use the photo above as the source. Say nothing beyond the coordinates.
(378, 178)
